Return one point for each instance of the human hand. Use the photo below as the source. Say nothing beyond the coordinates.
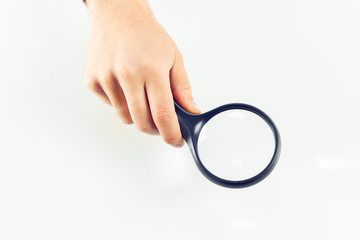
(135, 66)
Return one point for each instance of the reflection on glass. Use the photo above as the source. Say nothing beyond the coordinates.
(236, 145)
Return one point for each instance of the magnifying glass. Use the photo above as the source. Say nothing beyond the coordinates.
(235, 145)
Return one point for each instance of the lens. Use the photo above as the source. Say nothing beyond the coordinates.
(236, 145)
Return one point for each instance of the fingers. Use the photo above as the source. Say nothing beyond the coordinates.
(147, 99)
(95, 87)
(138, 105)
(162, 110)
(115, 94)
(180, 85)
(108, 90)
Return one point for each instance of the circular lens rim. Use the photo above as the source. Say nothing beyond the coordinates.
(245, 182)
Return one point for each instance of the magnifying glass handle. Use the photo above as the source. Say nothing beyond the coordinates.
(184, 121)
(190, 124)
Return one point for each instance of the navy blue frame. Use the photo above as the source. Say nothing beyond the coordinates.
(191, 125)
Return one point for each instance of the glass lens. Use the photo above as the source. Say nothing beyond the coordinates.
(236, 145)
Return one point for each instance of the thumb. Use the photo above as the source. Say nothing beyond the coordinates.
(180, 85)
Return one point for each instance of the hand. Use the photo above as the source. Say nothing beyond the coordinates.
(135, 66)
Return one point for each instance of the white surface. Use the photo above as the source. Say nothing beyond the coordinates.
(70, 170)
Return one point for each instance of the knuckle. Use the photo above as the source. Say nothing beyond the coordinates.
(186, 85)
(124, 74)
(150, 70)
(91, 84)
(107, 79)
(161, 116)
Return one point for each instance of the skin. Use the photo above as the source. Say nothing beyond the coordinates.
(135, 66)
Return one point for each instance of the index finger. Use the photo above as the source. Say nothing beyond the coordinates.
(162, 109)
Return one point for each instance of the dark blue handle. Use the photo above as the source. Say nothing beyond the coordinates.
(190, 124)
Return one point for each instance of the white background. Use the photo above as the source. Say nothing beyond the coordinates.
(69, 169)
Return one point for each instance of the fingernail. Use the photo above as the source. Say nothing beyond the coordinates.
(196, 107)
(179, 145)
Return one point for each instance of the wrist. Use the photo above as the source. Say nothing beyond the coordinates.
(120, 15)
(103, 4)
(122, 10)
